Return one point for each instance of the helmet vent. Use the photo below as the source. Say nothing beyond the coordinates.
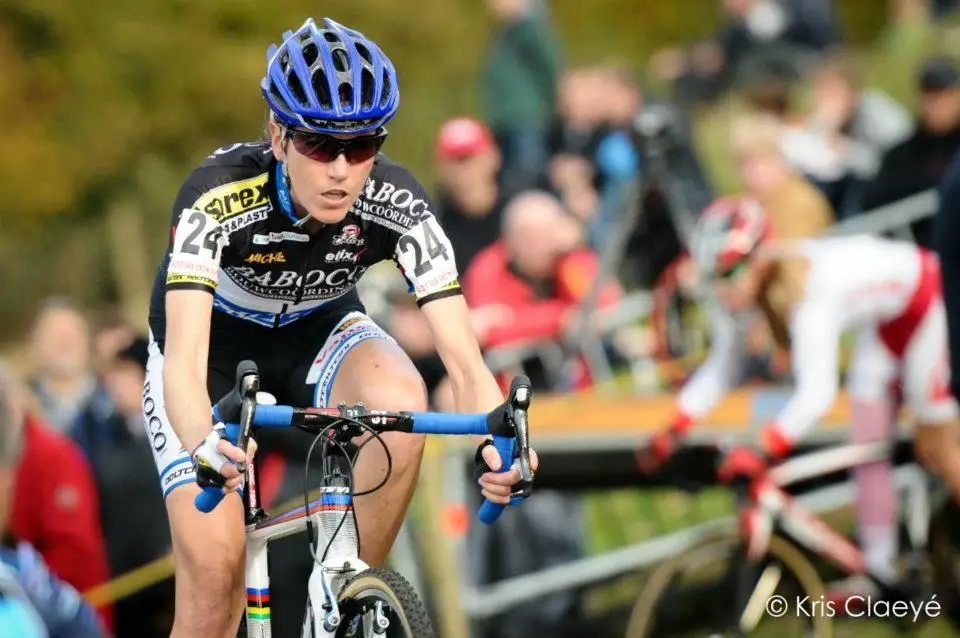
(346, 96)
(310, 53)
(275, 93)
(367, 88)
(387, 88)
(340, 60)
(296, 87)
(331, 37)
(364, 53)
(322, 89)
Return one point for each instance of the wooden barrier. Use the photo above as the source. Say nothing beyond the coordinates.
(628, 414)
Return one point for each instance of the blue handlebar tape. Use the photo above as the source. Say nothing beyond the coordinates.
(490, 512)
(208, 499)
(273, 416)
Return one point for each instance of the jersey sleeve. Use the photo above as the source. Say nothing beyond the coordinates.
(722, 369)
(815, 331)
(197, 238)
(424, 255)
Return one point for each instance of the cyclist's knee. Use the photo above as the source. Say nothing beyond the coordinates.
(209, 550)
(408, 393)
(404, 392)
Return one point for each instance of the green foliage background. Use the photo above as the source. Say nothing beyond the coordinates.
(108, 105)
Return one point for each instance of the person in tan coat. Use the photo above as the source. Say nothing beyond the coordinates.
(795, 207)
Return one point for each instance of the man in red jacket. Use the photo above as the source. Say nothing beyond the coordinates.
(56, 508)
(531, 281)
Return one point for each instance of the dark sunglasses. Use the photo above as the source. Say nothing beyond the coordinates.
(326, 148)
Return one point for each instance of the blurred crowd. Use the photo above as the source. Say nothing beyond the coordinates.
(534, 193)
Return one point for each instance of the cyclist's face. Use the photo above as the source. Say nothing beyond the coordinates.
(324, 188)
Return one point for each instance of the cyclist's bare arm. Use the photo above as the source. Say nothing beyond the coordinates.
(185, 364)
(474, 387)
(716, 376)
(425, 257)
(192, 273)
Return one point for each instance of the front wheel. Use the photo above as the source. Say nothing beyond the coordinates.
(380, 603)
(711, 589)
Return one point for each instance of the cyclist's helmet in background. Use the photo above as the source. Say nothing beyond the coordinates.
(330, 79)
(728, 232)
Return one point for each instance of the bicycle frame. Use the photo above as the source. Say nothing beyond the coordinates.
(771, 507)
(507, 425)
(325, 579)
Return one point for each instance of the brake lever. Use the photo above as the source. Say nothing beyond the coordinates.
(518, 416)
(249, 387)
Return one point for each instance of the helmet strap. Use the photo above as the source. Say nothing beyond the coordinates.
(286, 180)
(284, 140)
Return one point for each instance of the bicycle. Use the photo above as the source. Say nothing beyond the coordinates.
(768, 559)
(346, 598)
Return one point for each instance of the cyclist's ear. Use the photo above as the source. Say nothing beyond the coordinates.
(278, 141)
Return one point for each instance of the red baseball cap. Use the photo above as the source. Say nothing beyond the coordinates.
(461, 137)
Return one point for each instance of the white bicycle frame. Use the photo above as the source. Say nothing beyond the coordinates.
(326, 578)
(773, 505)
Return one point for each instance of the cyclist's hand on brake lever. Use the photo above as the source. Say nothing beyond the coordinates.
(742, 461)
(215, 460)
(497, 487)
(658, 450)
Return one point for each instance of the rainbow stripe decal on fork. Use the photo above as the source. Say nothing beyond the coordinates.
(258, 604)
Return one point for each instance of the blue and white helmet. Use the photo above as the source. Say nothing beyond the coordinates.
(330, 79)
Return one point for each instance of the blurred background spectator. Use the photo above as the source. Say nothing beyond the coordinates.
(63, 380)
(840, 142)
(533, 279)
(132, 514)
(111, 334)
(33, 602)
(920, 162)
(468, 195)
(56, 507)
(758, 35)
(519, 86)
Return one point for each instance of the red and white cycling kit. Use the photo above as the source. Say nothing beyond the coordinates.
(887, 290)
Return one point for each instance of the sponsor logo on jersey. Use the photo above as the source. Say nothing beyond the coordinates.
(263, 240)
(349, 322)
(242, 221)
(183, 265)
(266, 258)
(288, 284)
(183, 471)
(230, 200)
(399, 199)
(344, 255)
(349, 236)
(152, 420)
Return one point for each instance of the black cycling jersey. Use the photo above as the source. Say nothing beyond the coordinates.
(233, 234)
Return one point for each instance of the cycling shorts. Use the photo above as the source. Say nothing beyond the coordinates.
(297, 363)
(909, 354)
